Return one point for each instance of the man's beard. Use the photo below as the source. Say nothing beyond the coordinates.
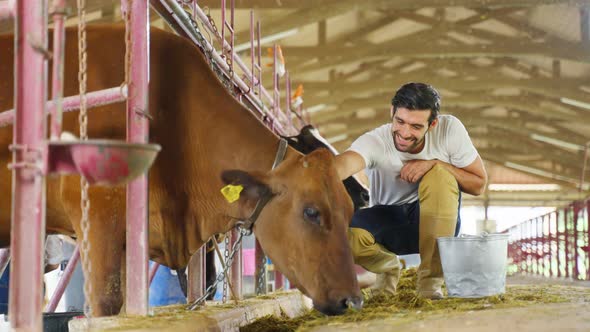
(410, 145)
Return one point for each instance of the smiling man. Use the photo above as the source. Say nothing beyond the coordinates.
(417, 165)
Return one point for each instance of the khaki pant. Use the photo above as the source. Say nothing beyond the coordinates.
(439, 202)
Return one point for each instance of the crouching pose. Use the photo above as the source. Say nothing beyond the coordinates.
(417, 165)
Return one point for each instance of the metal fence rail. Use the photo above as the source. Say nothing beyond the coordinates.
(554, 245)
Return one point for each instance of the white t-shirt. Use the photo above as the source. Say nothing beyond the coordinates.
(448, 141)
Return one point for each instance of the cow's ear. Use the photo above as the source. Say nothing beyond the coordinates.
(253, 184)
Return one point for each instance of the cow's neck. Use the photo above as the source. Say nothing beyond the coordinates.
(254, 149)
(219, 134)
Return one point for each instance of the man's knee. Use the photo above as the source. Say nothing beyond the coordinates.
(438, 191)
(438, 177)
(362, 243)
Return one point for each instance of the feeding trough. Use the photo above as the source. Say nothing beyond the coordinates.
(101, 161)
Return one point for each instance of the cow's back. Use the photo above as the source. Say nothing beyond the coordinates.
(192, 117)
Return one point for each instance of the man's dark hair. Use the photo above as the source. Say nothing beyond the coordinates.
(417, 96)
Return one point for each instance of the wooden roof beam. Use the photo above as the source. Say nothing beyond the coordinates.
(418, 49)
(399, 4)
(487, 79)
(349, 106)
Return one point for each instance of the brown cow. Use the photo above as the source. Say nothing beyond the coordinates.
(204, 132)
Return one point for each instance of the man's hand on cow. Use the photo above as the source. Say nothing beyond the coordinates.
(414, 170)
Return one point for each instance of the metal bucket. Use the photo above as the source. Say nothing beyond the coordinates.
(474, 266)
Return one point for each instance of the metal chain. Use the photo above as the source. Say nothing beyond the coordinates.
(212, 22)
(225, 257)
(201, 41)
(83, 120)
(261, 289)
(221, 275)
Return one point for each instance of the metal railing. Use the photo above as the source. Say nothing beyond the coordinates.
(554, 245)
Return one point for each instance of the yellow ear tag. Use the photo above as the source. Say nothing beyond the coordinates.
(231, 192)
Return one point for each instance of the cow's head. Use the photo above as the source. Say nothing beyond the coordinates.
(303, 227)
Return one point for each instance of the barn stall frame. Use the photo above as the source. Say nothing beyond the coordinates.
(33, 153)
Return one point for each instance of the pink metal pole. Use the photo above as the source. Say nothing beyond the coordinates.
(252, 68)
(243, 86)
(586, 147)
(153, 271)
(551, 255)
(530, 248)
(279, 280)
(223, 26)
(196, 275)
(28, 183)
(567, 242)
(559, 237)
(261, 89)
(137, 132)
(576, 275)
(59, 36)
(6, 9)
(228, 50)
(276, 102)
(64, 281)
(538, 248)
(588, 238)
(4, 259)
(236, 268)
(288, 97)
(93, 99)
(546, 248)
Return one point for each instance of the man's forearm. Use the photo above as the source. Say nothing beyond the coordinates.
(468, 182)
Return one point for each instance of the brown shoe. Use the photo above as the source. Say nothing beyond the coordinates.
(387, 282)
(430, 288)
(436, 294)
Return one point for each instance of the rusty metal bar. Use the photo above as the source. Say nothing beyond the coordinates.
(64, 281)
(137, 284)
(57, 77)
(551, 251)
(171, 8)
(236, 268)
(196, 275)
(72, 103)
(586, 148)
(288, 110)
(27, 234)
(558, 243)
(567, 242)
(588, 239)
(153, 269)
(576, 208)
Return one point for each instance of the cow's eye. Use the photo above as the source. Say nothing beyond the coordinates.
(311, 214)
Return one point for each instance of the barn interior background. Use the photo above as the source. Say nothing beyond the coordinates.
(515, 72)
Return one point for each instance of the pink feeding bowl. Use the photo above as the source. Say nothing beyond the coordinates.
(102, 162)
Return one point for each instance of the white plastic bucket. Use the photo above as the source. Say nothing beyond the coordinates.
(474, 266)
